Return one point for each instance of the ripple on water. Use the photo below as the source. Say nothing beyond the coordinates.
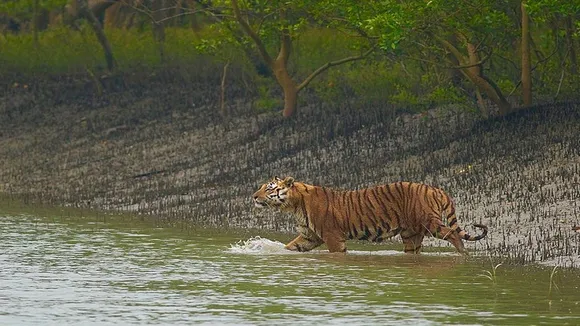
(55, 274)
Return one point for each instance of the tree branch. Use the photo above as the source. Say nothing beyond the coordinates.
(223, 92)
(451, 48)
(459, 56)
(149, 13)
(73, 9)
(333, 63)
(246, 27)
(285, 47)
(479, 63)
(329, 19)
(100, 7)
(286, 41)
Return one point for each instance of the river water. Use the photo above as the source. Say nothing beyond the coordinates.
(57, 270)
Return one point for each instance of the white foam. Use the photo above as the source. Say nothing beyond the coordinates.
(258, 245)
(375, 252)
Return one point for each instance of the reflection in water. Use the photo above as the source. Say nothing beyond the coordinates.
(93, 273)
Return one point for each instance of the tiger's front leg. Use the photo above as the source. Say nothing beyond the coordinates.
(301, 243)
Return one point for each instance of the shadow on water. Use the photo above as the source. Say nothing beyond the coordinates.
(69, 269)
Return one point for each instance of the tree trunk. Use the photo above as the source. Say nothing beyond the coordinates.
(73, 10)
(290, 102)
(223, 108)
(159, 8)
(476, 76)
(279, 65)
(481, 103)
(99, 32)
(454, 74)
(35, 8)
(475, 70)
(492, 92)
(473, 59)
(571, 45)
(289, 87)
(526, 58)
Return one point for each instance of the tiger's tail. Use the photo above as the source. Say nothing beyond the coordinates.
(454, 225)
(466, 236)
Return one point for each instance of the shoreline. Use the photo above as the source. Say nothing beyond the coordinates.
(170, 154)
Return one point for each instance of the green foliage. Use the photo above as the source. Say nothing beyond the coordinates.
(542, 9)
(411, 71)
(318, 46)
(134, 50)
(271, 19)
(24, 9)
(445, 94)
(380, 82)
(404, 98)
(62, 50)
(265, 101)
(506, 85)
(59, 50)
(213, 41)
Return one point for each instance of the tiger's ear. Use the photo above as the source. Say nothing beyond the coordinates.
(289, 181)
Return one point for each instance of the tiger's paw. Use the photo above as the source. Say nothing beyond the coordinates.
(293, 247)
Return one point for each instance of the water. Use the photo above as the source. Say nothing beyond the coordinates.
(63, 271)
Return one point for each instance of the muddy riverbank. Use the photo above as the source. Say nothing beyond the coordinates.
(161, 147)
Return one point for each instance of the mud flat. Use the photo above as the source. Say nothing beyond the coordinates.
(163, 149)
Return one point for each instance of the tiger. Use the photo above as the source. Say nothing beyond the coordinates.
(330, 216)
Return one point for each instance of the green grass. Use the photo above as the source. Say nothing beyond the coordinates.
(61, 50)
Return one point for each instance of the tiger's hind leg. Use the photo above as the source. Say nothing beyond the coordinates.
(335, 244)
(413, 243)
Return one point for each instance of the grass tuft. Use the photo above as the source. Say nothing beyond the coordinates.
(491, 274)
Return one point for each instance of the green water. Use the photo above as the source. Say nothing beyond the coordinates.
(88, 271)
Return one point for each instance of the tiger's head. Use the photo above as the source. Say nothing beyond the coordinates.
(274, 193)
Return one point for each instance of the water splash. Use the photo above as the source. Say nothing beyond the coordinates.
(375, 252)
(258, 245)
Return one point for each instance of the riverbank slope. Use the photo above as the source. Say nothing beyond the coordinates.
(161, 147)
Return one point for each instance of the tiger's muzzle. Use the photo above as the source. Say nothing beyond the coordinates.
(259, 203)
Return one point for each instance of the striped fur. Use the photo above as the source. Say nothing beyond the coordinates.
(324, 215)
